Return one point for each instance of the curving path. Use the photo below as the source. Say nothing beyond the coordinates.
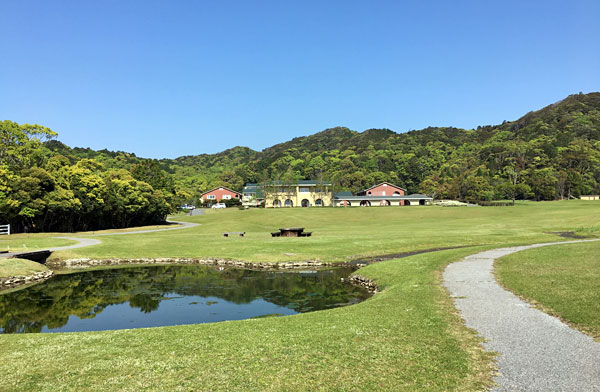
(83, 241)
(537, 352)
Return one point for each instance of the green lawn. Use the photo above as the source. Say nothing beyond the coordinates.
(562, 280)
(346, 233)
(407, 337)
(38, 241)
(19, 267)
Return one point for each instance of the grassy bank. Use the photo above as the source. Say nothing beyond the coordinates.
(561, 280)
(407, 337)
(346, 233)
(19, 267)
(31, 242)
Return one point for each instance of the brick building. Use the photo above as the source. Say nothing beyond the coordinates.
(220, 193)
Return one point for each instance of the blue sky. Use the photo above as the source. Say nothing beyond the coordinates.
(173, 78)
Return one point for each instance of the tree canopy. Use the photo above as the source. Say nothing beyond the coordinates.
(43, 190)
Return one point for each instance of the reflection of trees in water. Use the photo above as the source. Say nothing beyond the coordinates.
(86, 294)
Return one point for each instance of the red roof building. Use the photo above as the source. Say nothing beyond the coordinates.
(383, 189)
(220, 193)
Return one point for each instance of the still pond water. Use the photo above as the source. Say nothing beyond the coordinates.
(152, 296)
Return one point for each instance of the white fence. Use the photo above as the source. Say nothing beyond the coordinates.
(5, 229)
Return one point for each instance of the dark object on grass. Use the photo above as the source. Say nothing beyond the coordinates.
(39, 256)
(240, 233)
(292, 232)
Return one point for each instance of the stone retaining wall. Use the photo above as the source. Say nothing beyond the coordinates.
(362, 281)
(14, 281)
(86, 263)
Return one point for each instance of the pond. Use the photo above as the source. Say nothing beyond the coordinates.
(152, 296)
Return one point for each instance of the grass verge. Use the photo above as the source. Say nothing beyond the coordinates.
(560, 280)
(19, 267)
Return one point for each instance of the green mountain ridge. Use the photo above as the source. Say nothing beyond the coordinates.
(444, 161)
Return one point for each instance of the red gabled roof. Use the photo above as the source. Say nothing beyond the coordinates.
(220, 187)
(385, 182)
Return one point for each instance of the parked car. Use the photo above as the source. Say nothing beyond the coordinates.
(219, 205)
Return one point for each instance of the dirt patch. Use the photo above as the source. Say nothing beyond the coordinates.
(567, 234)
(377, 259)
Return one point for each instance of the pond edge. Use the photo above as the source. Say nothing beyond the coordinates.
(18, 280)
(86, 263)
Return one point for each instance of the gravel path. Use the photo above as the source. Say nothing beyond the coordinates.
(537, 352)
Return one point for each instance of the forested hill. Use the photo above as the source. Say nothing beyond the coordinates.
(547, 154)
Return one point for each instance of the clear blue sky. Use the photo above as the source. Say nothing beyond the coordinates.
(171, 78)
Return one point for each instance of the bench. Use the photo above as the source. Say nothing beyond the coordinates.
(291, 232)
(240, 233)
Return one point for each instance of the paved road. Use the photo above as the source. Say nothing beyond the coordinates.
(537, 352)
(83, 241)
(197, 211)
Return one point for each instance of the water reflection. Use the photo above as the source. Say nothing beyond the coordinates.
(169, 295)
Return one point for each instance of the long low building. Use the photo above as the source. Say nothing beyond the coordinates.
(383, 194)
(342, 200)
(303, 193)
(312, 193)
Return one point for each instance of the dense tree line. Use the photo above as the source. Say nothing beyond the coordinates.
(41, 190)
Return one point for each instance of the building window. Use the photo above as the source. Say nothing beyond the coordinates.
(383, 193)
(211, 197)
(226, 197)
(305, 189)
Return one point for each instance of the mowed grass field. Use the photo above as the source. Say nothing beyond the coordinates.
(31, 242)
(561, 280)
(341, 234)
(408, 337)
